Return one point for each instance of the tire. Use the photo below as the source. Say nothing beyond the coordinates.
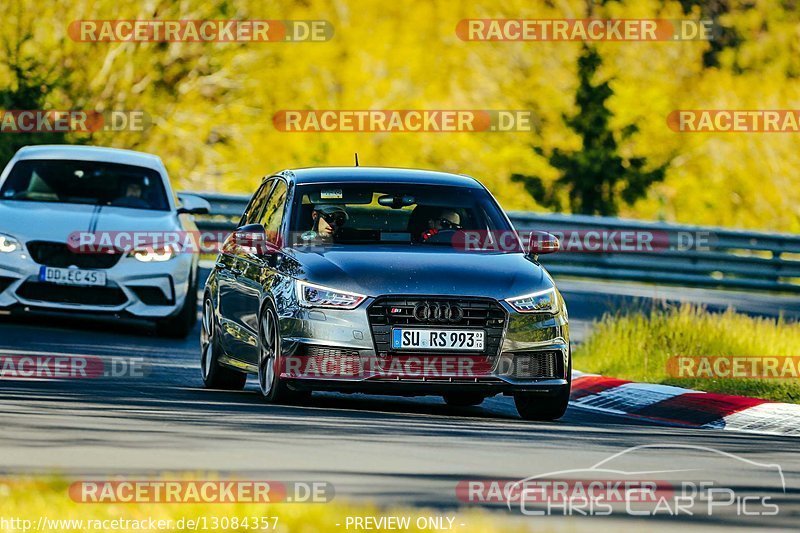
(463, 399)
(215, 376)
(182, 324)
(532, 406)
(272, 389)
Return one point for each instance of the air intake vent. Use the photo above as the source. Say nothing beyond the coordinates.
(530, 365)
(66, 294)
(55, 254)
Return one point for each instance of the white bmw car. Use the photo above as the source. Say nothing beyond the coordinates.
(59, 204)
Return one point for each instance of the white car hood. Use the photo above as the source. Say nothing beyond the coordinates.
(55, 222)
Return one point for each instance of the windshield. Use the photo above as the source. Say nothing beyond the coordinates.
(369, 213)
(85, 182)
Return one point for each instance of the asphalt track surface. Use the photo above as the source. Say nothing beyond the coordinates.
(388, 450)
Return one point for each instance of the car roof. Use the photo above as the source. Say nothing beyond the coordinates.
(379, 175)
(90, 153)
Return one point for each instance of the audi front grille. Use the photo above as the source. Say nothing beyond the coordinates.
(473, 313)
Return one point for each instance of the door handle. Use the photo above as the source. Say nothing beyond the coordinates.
(220, 265)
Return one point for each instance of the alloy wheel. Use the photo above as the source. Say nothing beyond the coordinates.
(207, 338)
(267, 352)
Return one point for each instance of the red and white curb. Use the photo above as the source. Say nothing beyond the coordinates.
(683, 407)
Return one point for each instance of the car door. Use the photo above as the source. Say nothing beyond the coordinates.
(256, 266)
(237, 340)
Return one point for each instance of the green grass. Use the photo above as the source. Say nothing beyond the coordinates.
(637, 346)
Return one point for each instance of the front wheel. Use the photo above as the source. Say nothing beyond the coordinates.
(269, 352)
(215, 376)
(273, 389)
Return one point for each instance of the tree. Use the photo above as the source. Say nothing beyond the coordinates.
(28, 87)
(596, 177)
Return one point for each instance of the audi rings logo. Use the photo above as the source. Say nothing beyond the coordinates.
(438, 312)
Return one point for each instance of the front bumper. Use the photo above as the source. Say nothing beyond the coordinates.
(336, 350)
(142, 290)
(486, 387)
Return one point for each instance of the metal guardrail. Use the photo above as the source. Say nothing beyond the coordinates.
(724, 259)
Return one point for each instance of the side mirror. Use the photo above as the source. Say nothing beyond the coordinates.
(193, 205)
(541, 242)
(254, 236)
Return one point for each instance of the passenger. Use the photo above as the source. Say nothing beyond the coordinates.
(446, 220)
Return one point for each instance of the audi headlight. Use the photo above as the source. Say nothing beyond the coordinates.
(545, 302)
(156, 254)
(8, 244)
(312, 295)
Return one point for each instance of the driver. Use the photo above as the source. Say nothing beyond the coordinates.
(133, 196)
(327, 219)
(134, 190)
(447, 220)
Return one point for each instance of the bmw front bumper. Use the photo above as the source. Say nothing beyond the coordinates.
(142, 290)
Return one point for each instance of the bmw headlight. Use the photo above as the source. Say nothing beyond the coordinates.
(157, 254)
(312, 295)
(8, 244)
(545, 302)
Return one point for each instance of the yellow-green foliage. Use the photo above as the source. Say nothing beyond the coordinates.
(637, 346)
(213, 103)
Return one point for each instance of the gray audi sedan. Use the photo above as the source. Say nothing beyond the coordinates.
(385, 281)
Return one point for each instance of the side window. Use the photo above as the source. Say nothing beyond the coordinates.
(252, 213)
(273, 213)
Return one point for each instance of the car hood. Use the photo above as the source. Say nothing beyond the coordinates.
(432, 270)
(55, 222)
